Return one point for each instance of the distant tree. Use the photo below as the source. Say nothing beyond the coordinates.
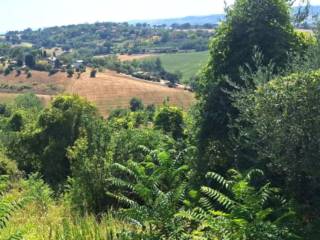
(19, 63)
(57, 63)
(30, 61)
(165, 37)
(70, 72)
(93, 73)
(136, 104)
(7, 71)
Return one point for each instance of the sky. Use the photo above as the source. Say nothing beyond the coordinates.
(21, 14)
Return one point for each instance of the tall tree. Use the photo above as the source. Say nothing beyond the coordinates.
(249, 24)
(30, 61)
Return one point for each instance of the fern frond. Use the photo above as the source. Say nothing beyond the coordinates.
(6, 211)
(144, 149)
(266, 193)
(219, 197)
(122, 199)
(253, 173)
(124, 169)
(117, 182)
(206, 203)
(219, 179)
(196, 214)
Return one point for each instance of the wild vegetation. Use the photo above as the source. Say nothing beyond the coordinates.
(242, 164)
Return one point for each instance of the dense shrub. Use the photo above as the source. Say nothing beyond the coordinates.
(136, 104)
(279, 125)
(170, 120)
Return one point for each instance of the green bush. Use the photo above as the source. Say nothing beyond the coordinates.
(93, 73)
(279, 124)
(7, 166)
(170, 120)
(136, 104)
(70, 72)
(7, 71)
(28, 101)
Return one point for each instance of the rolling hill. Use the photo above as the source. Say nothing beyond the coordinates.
(193, 20)
(212, 19)
(108, 91)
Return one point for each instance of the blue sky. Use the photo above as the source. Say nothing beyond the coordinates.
(20, 14)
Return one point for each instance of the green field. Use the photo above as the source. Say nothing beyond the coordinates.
(188, 63)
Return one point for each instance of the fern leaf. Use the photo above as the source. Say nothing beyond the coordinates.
(219, 197)
(219, 179)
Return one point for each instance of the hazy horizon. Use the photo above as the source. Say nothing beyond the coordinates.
(20, 14)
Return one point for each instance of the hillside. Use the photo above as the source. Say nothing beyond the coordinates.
(211, 19)
(193, 20)
(108, 90)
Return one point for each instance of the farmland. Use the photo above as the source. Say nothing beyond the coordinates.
(107, 91)
(187, 63)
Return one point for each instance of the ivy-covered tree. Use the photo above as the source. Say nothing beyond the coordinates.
(249, 24)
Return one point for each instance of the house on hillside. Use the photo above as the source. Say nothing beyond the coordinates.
(52, 60)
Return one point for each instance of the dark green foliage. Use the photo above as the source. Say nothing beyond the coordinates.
(249, 25)
(117, 113)
(15, 123)
(247, 210)
(152, 191)
(70, 73)
(3, 108)
(90, 163)
(60, 126)
(30, 61)
(43, 146)
(7, 71)
(170, 120)
(42, 66)
(134, 39)
(279, 122)
(93, 73)
(136, 104)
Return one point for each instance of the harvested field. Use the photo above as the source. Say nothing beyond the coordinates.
(124, 58)
(39, 82)
(107, 91)
(110, 90)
